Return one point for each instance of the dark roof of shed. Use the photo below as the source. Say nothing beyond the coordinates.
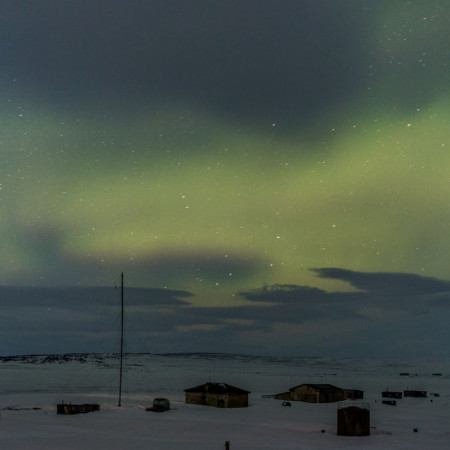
(319, 387)
(217, 388)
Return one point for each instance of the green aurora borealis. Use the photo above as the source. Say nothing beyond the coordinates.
(181, 190)
(235, 208)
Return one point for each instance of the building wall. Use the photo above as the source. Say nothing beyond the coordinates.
(64, 408)
(415, 393)
(353, 394)
(305, 394)
(309, 394)
(331, 396)
(353, 421)
(392, 394)
(217, 400)
(284, 396)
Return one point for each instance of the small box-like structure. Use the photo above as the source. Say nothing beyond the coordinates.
(69, 408)
(160, 405)
(353, 419)
(417, 394)
(392, 394)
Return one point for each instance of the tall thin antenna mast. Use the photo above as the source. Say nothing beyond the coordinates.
(121, 341)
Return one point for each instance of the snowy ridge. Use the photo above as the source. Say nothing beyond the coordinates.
(174, 372)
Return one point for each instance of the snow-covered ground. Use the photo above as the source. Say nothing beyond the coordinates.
(30, 389)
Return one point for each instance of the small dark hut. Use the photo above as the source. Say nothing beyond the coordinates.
(353, 394)
(319, 393)
(220, 395)
(392, 394)
(160, 405)
(353, 419)
(415, 394)
(69, 408)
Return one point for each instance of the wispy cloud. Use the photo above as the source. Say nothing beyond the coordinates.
(386, 308)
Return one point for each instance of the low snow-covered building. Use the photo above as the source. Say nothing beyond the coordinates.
(220, 395)
(70, 409)
(415, 393)
(353, 394)
(313, 393)
(392, 394)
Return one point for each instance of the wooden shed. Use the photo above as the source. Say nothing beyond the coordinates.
(392, 394)
(353, 394)
(220, 395)
(313, 393)
(160, 404)
(353, 419)
(70, 409)
(422, 394)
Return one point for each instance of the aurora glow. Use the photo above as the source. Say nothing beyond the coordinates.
(182, 194)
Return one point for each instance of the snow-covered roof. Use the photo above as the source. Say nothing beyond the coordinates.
(318, 387)
(217, 388)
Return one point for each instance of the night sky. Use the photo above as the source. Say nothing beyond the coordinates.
(273, 177)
